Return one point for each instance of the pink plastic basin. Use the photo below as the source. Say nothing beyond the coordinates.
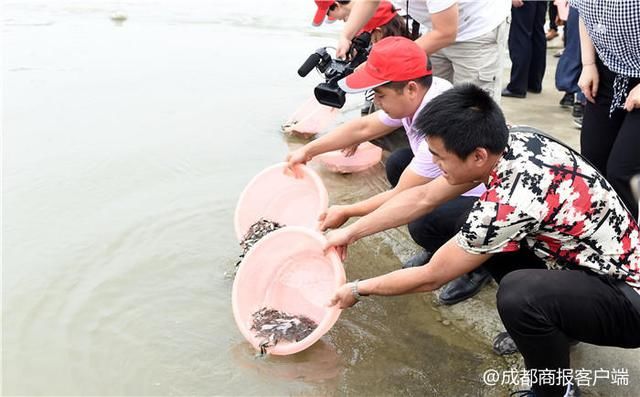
(366, 156)
(281, 198)
(287, 270)
(310, 118)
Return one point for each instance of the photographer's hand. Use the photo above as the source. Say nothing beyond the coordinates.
(360, 14)
(342, 48)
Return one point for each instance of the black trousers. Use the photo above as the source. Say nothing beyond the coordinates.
(612, 144)
(542, 309)
(436, 228)
(553, 13)
(527, 47)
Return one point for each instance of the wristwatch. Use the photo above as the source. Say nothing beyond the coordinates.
(354, 291)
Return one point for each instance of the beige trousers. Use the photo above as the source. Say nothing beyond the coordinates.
(479, 61)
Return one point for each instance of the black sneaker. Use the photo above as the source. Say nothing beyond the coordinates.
(578, 110)
(567, 100)
(578, 113)
(577, 122)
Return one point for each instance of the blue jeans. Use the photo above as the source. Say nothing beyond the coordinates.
(570, 65)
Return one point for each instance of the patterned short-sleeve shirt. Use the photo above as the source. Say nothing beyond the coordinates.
(545, 194)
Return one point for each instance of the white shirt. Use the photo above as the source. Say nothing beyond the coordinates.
(476, 17)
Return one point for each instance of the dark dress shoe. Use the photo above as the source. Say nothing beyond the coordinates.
(464, 286)
(418, 259)
(534, 90)
(506, 92)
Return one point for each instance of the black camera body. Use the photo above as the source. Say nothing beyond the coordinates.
(328, 93)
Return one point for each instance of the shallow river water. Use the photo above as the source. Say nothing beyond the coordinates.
(125, 147)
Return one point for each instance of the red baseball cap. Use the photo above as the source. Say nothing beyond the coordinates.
(393, 58)
(323, 7)
(384, 13)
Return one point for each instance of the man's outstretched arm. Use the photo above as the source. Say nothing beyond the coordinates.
(448, 263)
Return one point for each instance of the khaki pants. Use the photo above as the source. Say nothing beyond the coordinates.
(479, 61)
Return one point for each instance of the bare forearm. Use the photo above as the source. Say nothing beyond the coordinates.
(444, 32)
(408, 179)
(348, 134)
(447, 263)
(369, 205)
(434, 40)
(407, 206)
(361, 12)
(399, 282)
(341, 137)
(587, 50)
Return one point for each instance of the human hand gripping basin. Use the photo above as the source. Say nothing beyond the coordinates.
(277, 196)
(367, 155)
(288, 270)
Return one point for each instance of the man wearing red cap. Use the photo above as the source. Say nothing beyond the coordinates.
(465, 39)
(398, 74)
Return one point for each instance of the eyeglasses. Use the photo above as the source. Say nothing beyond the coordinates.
(332, 7)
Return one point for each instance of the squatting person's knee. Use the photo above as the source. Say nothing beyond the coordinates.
(516, 291)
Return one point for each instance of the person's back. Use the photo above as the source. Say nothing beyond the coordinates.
(476, 17)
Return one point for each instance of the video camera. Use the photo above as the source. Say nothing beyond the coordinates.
(328, 93)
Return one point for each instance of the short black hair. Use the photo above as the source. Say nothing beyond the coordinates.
(424, 81)
(465, 117)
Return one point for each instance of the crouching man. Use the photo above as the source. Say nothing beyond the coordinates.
(550, 229)
(398, 73)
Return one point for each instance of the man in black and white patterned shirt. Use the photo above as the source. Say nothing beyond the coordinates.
(550, 229)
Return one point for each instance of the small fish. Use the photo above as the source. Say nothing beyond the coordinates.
(274, 326)
(256, 232)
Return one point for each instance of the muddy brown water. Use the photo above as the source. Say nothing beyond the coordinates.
(125, 147)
